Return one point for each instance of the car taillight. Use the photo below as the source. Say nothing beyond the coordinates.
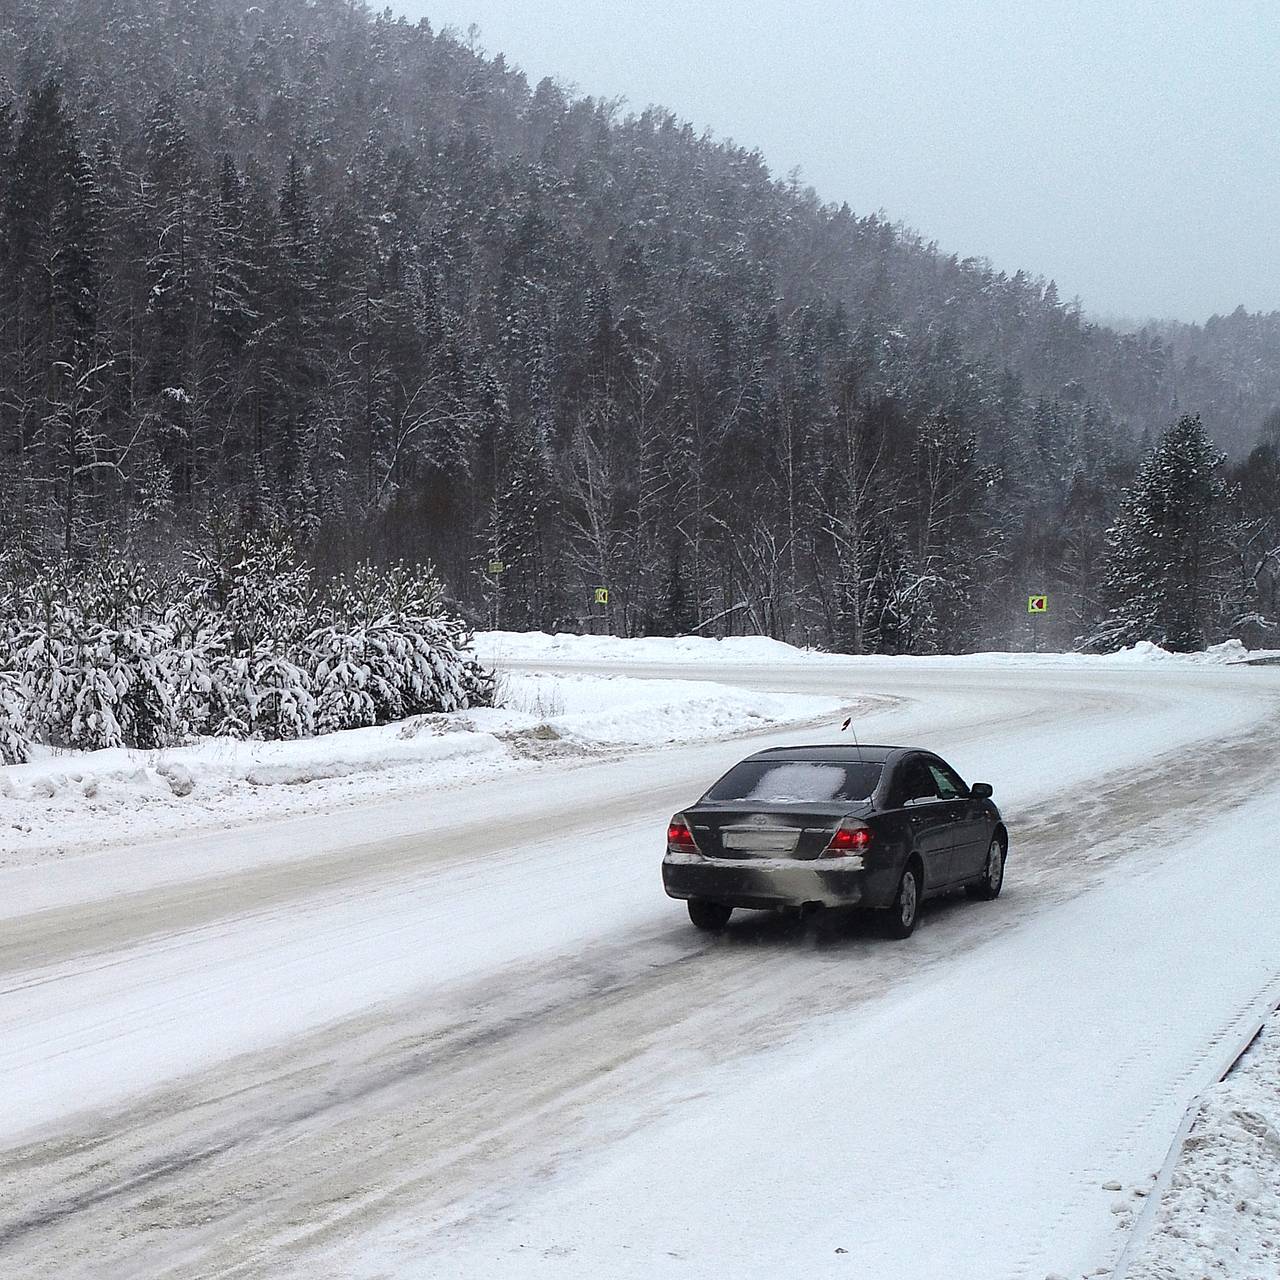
(848, 839)
(679, 837)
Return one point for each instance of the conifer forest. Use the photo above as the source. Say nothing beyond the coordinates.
(300, 288)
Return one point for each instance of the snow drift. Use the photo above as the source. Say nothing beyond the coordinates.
(68, 798)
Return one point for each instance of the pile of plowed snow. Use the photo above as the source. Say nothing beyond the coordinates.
(524, 647)
(1221, 1213)
(65, 799)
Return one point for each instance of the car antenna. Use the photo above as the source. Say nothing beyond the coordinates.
(848, 724)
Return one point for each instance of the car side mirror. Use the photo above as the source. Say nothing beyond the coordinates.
(982, 790)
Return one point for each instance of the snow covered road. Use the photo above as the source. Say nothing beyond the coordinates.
(464, 1034)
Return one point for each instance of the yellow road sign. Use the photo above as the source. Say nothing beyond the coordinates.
(496, 566)
(602, 595)
(1037, 604)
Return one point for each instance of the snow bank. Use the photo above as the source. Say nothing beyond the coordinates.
(1218, 655)
(617, 711)
(499, 647)
(1221, 1213)
(64, 799)
(524, 646)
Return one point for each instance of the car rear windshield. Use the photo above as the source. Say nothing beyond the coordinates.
(797, 781)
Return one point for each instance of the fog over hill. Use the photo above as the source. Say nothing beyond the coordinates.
(311, 269)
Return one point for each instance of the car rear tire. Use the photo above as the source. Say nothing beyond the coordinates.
(711, 917)
(988, 888)
(900, 919)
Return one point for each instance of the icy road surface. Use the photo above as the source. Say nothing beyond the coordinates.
(466, 1035)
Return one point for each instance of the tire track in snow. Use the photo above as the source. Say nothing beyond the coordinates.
(243, 1170)
(169, 915)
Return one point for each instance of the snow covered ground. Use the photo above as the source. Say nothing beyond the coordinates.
(1220, 1216)
(521, 647)
(68, 800)
(460, 1032)
(1063, 1075)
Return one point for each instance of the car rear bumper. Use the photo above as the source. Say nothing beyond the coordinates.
(764, 882)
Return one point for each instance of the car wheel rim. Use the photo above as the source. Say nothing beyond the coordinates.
(995, 864)
(908, 898)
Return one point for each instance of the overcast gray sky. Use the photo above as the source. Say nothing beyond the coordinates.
(1129, 149)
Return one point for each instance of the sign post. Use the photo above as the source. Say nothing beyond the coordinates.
(600, 612)
(496, 570)
(1036, 605)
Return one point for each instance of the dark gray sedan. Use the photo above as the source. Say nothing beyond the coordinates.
(840, 826)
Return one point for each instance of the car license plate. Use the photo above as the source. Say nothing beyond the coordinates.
(776, 840)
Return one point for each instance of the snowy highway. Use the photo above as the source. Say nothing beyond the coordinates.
(464, 1034)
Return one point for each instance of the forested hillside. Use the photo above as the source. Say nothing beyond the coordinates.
(303, 270)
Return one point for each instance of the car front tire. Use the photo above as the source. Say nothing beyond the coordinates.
(988, 888)
(900, 919)
(711, 917)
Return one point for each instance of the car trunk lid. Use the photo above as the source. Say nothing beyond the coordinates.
(745, 830)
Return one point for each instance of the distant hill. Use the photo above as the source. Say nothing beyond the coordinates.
(303, 264)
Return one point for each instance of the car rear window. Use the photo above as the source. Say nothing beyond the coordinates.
(797, 781)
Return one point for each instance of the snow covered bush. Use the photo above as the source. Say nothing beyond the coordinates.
(41, 657)
(93, 700)
(416, 651)
(199, 674)
(269, 597)
(342, 679)
(281, 704)
(115, 685)
(243, 644)
(15, 743)
(15, 746)
(90, 665)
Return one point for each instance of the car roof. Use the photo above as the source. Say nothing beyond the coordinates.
(844, 752)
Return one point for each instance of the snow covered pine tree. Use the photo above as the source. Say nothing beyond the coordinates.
(1167, 572)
